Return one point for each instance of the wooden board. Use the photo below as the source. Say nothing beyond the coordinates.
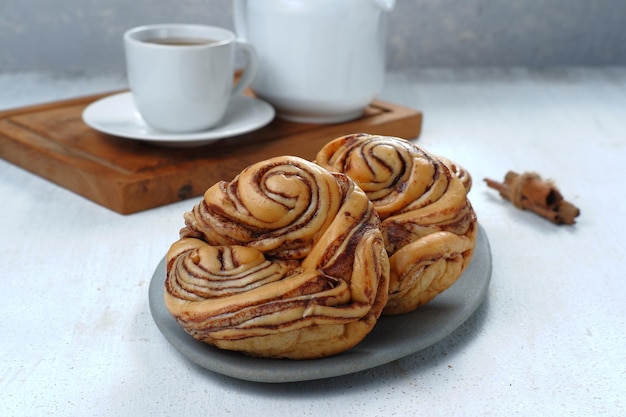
(128, 176)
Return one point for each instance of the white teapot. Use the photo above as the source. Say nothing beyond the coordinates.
(320, 61)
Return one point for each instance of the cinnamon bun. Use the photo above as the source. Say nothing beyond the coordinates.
(287, 260)
(428, 223)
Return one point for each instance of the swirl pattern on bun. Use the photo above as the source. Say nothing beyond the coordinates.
(428, 223)
(287, 260)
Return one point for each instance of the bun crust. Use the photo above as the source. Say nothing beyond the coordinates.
(428, 223)
(287, 261)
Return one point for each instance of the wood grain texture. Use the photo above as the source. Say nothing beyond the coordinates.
(128, 176)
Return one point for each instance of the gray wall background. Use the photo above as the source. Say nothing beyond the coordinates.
(84, 36)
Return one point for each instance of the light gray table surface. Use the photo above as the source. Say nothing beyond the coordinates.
(77, 337)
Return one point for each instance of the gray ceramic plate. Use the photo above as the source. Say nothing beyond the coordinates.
(392, 338)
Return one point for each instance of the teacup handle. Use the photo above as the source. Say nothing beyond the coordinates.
(250, 69)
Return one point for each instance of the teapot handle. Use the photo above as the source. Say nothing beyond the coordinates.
(385, 5)
(240, 18)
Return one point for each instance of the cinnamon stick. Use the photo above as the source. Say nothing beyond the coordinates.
(528, 191)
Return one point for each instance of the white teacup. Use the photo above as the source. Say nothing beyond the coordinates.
(321, 61)
(181, 75)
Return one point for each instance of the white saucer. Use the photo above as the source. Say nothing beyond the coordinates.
(118, 116)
